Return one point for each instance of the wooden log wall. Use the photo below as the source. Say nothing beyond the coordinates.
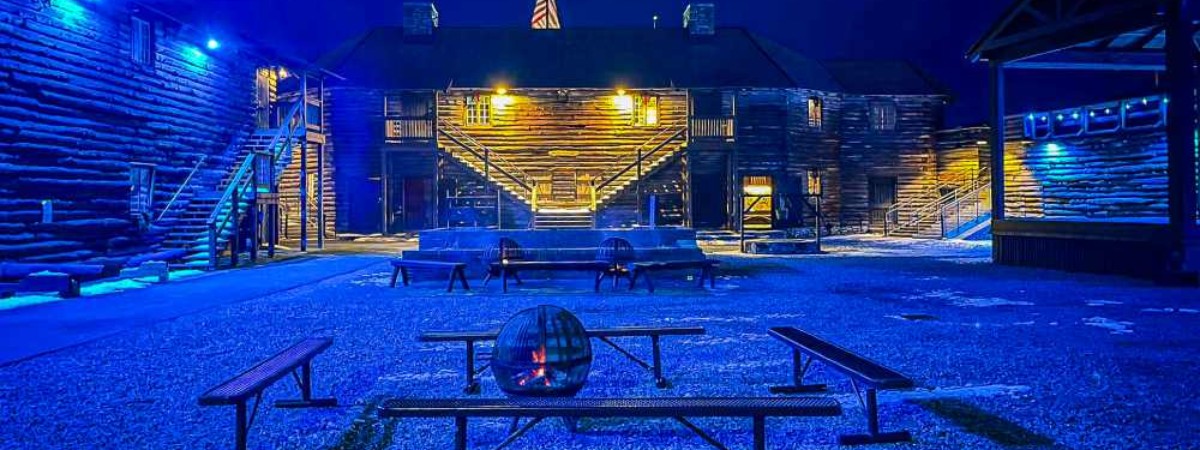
(76, 111)
(668, 183)
(811, 147)
(1119, 176)
(356, 134)
(907, 152)
(545, 129)
(962, 150)
(289, 195)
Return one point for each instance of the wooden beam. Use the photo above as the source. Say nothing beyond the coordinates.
(997, 116)
(1098, 59)
(1121, 17)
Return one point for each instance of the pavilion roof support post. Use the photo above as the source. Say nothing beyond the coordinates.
(1181, 121)
(996, 117)
(303, 163)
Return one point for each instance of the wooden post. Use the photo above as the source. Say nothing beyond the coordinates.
(1181, 127)
(304, 163)
(320, 196)
(996, 114)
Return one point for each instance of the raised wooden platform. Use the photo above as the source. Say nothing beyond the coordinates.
(1142, 250)
(468, 244)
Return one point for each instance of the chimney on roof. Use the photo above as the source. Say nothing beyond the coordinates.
(420, 18)
(700, 19)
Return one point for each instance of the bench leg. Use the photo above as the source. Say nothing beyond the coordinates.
(649, 282)
(656, 348)
(699, 432)
(450, 287)
(504, 279)
(873, 435)
(306, 400)
(460, 433)
(404, 275)
(760, 433)
(487, 278)
(633, 279)
(243, 428)
(472, 385)
(395, 275)
(462, 278)
(799, 369)
(599, 278)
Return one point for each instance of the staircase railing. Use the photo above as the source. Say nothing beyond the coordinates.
(964, 211)
(672, 133)
(935, 192)
(935, 207)
(188, 181)
(242, 181)
(490, 160)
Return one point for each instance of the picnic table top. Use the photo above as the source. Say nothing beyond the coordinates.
(613, 407)
(459, 336)
(250, 382)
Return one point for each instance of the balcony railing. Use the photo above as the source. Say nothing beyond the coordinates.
(713, 128)
(406, 128)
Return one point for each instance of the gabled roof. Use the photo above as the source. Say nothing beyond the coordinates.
(568, 58)
(884, 77)
(1034, 27)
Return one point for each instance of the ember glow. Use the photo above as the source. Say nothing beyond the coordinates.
(539, 373)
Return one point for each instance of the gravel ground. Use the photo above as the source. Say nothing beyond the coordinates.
(1005, 358)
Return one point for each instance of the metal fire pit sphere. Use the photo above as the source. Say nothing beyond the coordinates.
(542, 351)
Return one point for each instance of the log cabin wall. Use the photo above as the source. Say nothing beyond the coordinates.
(905, 152)
(668, 184)
(356, 133)
(1117, 176)
(962, 150)
(289, 194)
(815, 145)
(547, 129)
(78, 111)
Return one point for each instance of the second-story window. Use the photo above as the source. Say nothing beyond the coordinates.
(645, 110)
(883, 116)
(478, 110)
(816, 113)
(141, 38)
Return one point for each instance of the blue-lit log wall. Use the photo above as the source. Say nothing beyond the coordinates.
(76, 111)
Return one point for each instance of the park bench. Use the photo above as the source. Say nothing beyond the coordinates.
(538, 409)
(508, 260)
(251, 384)
(400, 268)
(642, 270)
(860, 370)
(605, 335)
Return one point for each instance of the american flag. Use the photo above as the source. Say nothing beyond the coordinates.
(545, 15)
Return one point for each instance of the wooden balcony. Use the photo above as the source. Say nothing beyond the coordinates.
(407, 129)
(713, 129)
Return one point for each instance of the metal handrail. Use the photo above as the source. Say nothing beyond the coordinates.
(937, 206)
(187, 181)
(676, 126)
(489, 157)
(238, 182)
(975, 196)
(641, 157)
(933, 192)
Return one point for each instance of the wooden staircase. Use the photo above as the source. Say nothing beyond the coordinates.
(560, 199)
(960, 207)
(218, 207)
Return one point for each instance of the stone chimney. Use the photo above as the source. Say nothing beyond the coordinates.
(700, 19)
(420, 18)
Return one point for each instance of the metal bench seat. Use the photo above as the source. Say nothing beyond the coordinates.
(508, 269)
(251, 383)
(401, 267)
(642, 270)
(860, 370)
(676, 408)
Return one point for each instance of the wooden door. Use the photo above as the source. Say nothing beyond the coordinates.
(881, 195)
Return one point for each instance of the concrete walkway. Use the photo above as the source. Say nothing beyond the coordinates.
(41, 329)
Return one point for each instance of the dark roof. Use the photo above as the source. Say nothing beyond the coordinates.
(1036, 27)
(598, 58)
(883, 77)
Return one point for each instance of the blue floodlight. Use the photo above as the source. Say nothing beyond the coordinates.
(213, 44)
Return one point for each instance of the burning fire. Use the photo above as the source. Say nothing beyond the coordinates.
(539, 358)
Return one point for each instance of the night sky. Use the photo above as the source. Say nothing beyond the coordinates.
(935, 34)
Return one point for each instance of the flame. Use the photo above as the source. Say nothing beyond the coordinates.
(539, 358)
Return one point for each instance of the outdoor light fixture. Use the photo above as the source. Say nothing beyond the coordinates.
(502, 100)
(623, 101)
(212, 44)
(283, 73)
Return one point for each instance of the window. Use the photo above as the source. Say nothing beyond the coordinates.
(141, 190)
(813, 182)
(478, 110)
(141, 38)
(645, 110)
(816, 113)
(883, 116)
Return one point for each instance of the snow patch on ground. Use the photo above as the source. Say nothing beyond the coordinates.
(958, 298)
(991, 390)
(94, 289)
(1114, 326)
(1102, 303)
(1171, 310)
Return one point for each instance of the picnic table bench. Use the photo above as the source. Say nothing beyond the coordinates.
(605, 335)
(872, 375)
(538, 409)
(513, 269)
(251, 384)
(642, 270)
(400, 268)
